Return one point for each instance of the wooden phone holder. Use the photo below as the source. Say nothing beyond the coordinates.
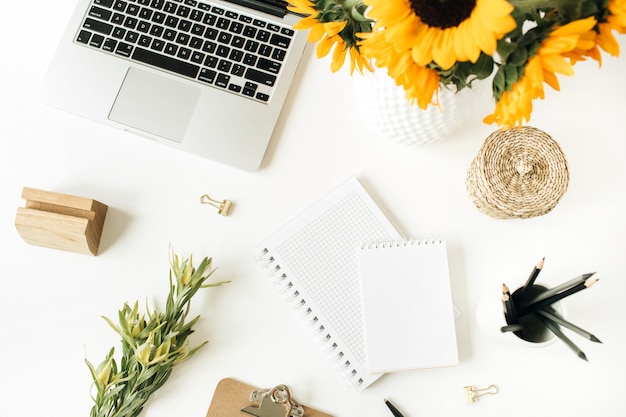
(61, 221)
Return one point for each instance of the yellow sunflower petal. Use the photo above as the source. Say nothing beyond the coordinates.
(333, 28)
(557, 45)
(339, 57)
(495, 16)
(594, 53)
(606, 40)
(462, 45)
(300, 3)
(551, 79)
(324, 46)
(316, 33)
(306, 23)
(303, 7)
(406, 33)
(443, 44)
(388, 11)
(617, 17)
(575, 28)
(357, 61)
(423, 51)
(484, 41)
(556, 63)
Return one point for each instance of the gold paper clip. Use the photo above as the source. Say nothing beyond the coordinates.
(472, 393)
(223, 207)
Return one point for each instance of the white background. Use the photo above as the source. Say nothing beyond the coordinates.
(51, 302)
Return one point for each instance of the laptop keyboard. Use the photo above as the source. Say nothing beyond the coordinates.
(221, 47)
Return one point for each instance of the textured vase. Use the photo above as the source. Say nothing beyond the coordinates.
(385, 108)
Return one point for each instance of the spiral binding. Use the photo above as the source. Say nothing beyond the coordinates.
(401, 243)
(298, 303)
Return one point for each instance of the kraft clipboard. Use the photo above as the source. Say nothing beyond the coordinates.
(231, 396)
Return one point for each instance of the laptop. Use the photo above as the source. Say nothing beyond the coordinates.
(208, 77)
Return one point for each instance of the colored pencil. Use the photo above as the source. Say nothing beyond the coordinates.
(533, 275)
(557, 297)
(551, 314)
(558, 333)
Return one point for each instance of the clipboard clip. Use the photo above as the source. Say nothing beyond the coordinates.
(223, 207)
(472, 394)
(276, 402)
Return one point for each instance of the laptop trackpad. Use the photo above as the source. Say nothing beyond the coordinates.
(155, 104)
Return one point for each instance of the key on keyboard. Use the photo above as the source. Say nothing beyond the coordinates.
(212, 45)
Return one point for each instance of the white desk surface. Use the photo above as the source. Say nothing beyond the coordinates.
(51, 301)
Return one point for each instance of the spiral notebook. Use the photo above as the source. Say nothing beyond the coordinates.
(314, 261)
(407, 305)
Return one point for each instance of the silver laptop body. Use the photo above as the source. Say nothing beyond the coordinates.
(175, 89)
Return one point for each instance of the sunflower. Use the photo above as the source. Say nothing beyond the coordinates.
(514, 106)
(617, 15)
(336, 32)
(420, 83)
(614, 21)
(610, 18)
(443, 32)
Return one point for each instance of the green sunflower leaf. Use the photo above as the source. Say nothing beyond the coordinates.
(518, 57)
(483, 66)
(511, 75)
(499, 84)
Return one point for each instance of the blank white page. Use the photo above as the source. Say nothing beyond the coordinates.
(408, 312)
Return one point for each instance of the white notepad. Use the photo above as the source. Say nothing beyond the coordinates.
(408, 312)
(314, 261)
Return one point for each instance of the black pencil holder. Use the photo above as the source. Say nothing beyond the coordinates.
(491, 317)
(533, 331)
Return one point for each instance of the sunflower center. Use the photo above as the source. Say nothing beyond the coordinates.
(443, 13)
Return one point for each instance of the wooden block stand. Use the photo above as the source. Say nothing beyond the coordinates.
(61, 221)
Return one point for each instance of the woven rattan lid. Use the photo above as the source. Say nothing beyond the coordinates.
(518, 173)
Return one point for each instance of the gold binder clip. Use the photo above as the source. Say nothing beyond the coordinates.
(223, 207)
(472, 393)
(276, 402)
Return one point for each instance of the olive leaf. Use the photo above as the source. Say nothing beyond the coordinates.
(152, 344)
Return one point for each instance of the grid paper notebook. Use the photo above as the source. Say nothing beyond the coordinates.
(407, 305)
(314, 261)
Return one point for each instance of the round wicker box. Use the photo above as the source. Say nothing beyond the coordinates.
(518, 173)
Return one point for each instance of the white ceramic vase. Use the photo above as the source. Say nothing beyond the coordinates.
(384, 106)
